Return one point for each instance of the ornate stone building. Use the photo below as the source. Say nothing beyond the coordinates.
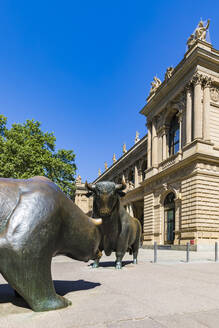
(172, 173)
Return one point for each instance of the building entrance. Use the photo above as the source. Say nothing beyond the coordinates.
(169, 218)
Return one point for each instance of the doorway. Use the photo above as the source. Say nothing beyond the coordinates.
(169, 218)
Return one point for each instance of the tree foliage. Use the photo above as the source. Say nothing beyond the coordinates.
(26, 151)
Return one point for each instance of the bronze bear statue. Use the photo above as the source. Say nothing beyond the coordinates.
(37, 222)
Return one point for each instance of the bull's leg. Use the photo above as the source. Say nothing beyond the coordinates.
(97, 260)
(135, 255)
(122, 247)
(31, 277)
(119, 256)
(135, 248)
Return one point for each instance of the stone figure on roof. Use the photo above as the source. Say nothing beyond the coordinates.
(201, 30)
(169, 72)
(78, 179)
(124, 150)
(199, 34)
(99, 172)
(155, 84)
(106, 166)
(114, 158)
(191, 40)
(137, 137)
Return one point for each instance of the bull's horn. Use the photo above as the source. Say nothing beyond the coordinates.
(97, 222)
(89, 186)
(121, 186)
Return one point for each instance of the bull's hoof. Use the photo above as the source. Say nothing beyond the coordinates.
(135, 261)
(95, 265)
(50, 304)
(118, 265)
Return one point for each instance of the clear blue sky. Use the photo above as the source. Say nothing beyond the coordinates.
(83, 68)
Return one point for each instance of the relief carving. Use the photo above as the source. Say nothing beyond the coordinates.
(214, 94)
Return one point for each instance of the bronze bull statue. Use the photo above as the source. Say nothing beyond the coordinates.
(37, 222)
(120, 232)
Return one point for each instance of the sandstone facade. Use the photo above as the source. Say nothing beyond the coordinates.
(172, 173)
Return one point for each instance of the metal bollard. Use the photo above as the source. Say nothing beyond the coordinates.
(155, 252)
(187, 252)
(216, 251)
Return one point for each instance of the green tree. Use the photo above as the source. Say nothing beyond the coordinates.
(26, 151)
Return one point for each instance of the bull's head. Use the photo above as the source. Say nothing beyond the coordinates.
(106, 195)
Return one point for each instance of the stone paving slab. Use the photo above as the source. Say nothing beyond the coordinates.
(171, 293)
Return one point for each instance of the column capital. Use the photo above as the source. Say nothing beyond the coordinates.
(197, 79)
(164, 129)
(180, 115)
(207, 82)
(188, 87)
(148, 125)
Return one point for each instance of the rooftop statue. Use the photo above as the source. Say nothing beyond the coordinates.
(106, 166)
(155, 85)
(114, 158)
(78, 179)
(124, 150)
(169, 72)
(201, 30)
(199, 34)
(99, 172)
(137, 137)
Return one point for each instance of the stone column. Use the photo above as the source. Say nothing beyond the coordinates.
(154, 144)
(149, 145)
(177, 221)
(160, 146)
(197, 81)
(180, 128)
(164, 144)
(188, 113)
(206, 108)
(136, 175)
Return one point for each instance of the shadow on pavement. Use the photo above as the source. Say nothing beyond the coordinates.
(111, 264)
(62, 287)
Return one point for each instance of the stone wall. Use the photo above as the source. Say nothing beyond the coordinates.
(149, 214)
(200, 209)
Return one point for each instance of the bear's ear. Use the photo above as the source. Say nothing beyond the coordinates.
(88, 194)
(121, 193)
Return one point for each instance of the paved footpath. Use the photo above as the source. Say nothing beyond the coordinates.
(171, 294)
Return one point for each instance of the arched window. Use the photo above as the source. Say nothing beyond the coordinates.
(174, 136)
(169, 223)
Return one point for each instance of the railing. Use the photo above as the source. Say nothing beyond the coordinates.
(187, 254)
(169, 161)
